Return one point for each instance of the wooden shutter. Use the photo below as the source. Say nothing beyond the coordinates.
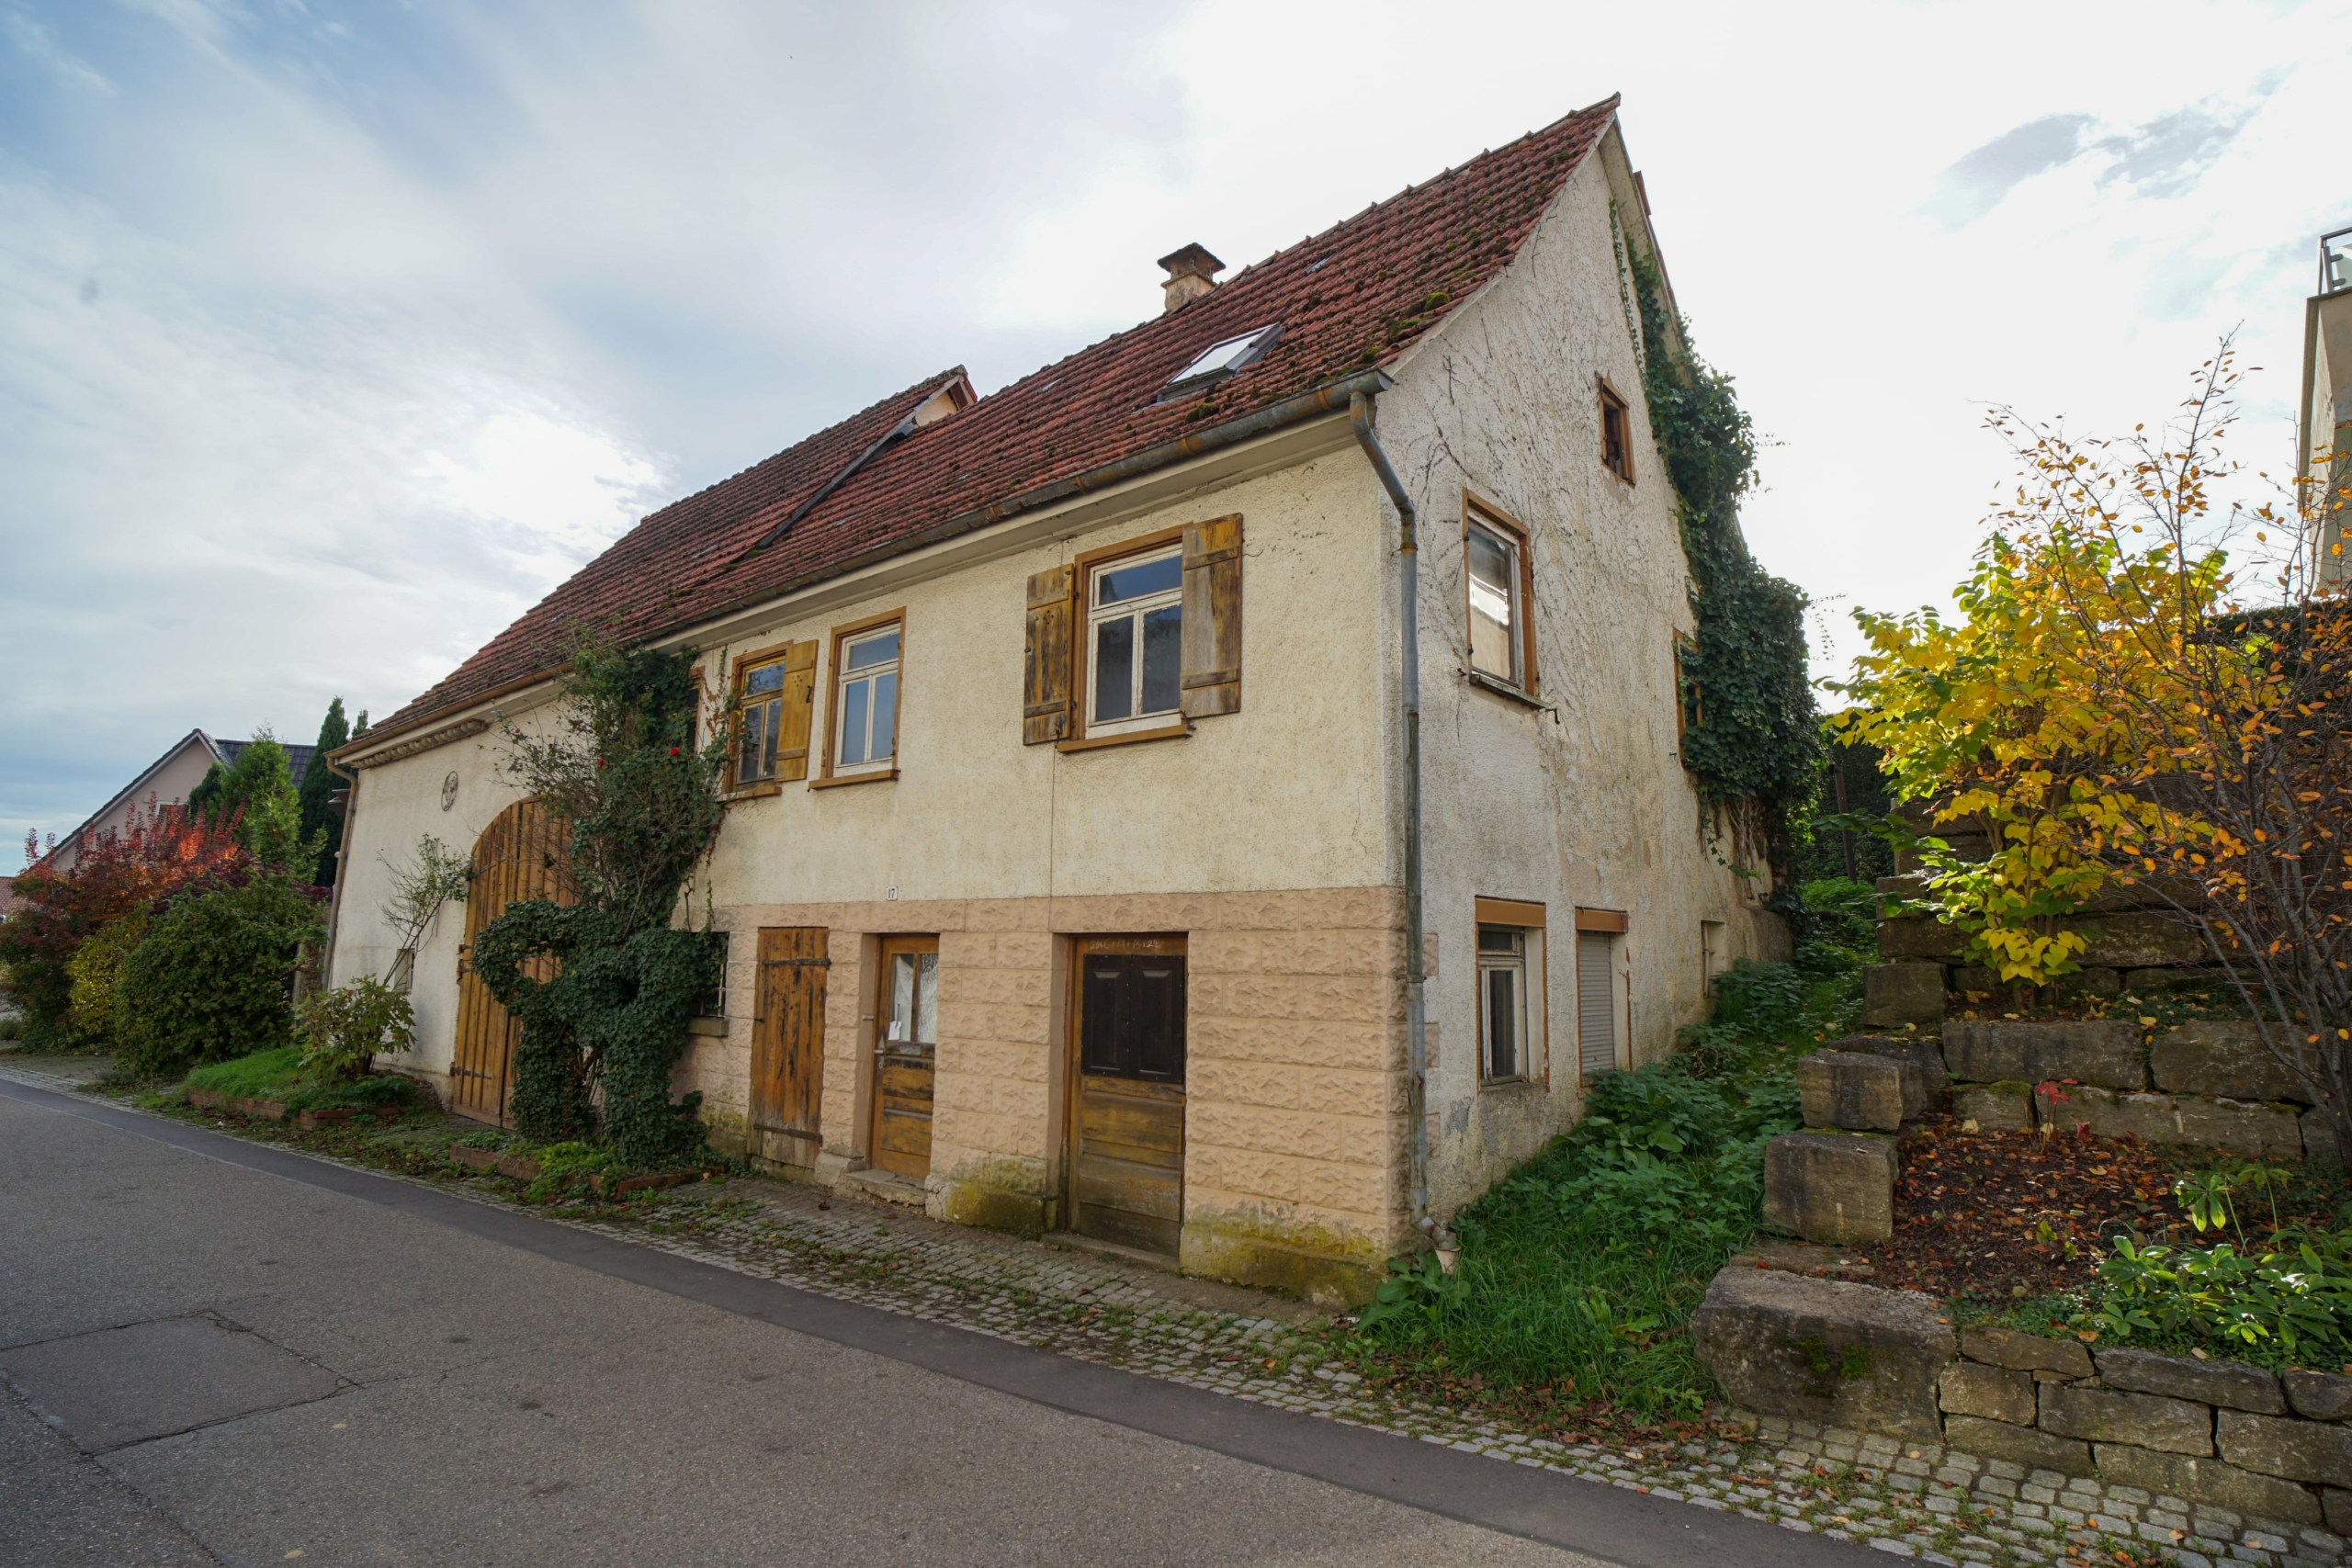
(792, 715)
(1046, 659)
(788, 1044)
(1212, 617)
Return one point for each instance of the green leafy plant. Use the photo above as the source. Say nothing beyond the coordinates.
(96, 968)
(2209, 1197)
(2290, 1302)
(435, 874)
(343, 1028)
(212, 979)
(1420, 1289)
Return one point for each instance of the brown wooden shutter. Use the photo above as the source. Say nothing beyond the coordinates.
(1046, 659)
(1212, 617)
(792, 722)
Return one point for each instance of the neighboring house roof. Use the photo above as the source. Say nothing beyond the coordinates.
(297, 758)
(1349, 300)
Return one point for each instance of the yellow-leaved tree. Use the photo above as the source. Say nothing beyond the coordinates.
(2119, 706)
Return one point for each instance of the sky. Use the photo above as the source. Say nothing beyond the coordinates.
(334, 336)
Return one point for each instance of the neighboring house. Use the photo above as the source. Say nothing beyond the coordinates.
(2325, 445)
(1067, 873)
(167, 782)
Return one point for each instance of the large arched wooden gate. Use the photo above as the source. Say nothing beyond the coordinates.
(526, 853)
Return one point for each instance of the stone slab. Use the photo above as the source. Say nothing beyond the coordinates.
(2221, 1060)
(2141, 982)
(2026, 1352)
(1830, 1188)
(2230, 1385)
(2198, 1479)
(2337, 1505)
(2298, 1451)
(149, 1379)
(1804, 1258)
(2140, 1420)
(2092, 1051)
(1854, 1090)
(1915, 937)
(2241, 1126)
(2318, 1129)
(2018, 1445)
(2318, 1396)
(1998, 1394)
(2136, 940)
(1825, 1350)
(1897, 994)
(1995, 1107)
(1923, 1054)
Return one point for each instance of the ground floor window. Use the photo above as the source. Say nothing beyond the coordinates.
(1601, 1034)
(1502, 1004)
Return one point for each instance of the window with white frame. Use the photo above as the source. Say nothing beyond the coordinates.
(1503, 1041)
(866, 704)
(1135, 642)
(1496, 612)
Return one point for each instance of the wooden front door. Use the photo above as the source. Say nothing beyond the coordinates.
(1126, 1169)
(789, 1044)
(906, 1054)
(526, 853)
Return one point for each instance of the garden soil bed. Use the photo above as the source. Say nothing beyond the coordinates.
(272, 1111)
(1997, 1217)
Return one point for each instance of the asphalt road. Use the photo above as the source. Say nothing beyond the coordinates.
(216, 1352)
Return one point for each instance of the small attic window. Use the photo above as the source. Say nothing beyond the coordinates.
(1222, 359)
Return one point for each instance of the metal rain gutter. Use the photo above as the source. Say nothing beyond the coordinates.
(1417, 1056)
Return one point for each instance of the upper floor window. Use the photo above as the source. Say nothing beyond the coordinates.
(761, 723)
(1616, 434)
(865, 699)
(1135, 642)
(1502, 645)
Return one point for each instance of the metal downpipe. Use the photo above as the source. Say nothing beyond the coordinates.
(1416, 976)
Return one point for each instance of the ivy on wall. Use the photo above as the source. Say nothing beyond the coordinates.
(1756, 735)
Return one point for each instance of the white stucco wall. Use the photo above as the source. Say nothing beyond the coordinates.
(1585, 801)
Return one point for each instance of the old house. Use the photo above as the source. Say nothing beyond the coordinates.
(1096, 736)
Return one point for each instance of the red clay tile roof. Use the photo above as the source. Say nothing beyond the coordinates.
(1349, 299)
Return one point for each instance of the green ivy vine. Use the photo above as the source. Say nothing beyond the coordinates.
(600, 1036)
(1757, 736)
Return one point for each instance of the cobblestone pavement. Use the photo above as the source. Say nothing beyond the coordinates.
(1911, 1500)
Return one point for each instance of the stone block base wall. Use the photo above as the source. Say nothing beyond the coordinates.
(2191, 1446)
(1295, 1083)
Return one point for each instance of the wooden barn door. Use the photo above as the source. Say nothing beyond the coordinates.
(526, 853)
(789, 1044)
(905, 1055)
(1126, 1169)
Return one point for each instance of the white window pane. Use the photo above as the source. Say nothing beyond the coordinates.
(927, 999)
(873, 650)
(854, 700)
(1163, 659)
(1115, 667)
(902, 997)
(747, 758)
(886, 717)
(771, 720)
(765, 679)
(1494, 588)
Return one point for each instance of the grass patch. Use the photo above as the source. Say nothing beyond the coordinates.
(1579, 1272)
(277, 1075)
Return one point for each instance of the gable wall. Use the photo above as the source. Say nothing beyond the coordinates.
(1585, 803)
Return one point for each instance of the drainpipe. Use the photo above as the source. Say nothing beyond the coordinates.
(1415, 977)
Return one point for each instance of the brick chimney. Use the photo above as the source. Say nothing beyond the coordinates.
(1191, 272)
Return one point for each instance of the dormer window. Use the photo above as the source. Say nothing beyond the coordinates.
(1222, 359)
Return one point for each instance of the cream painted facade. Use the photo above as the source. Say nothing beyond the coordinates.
(1270, 837)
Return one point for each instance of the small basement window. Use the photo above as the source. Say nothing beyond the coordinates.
(1222, 359)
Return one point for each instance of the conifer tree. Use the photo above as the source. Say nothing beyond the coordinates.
(318, 815)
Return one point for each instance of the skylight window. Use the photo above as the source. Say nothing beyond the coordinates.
(1222, 359)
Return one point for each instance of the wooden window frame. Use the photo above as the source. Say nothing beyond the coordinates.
(1083, 566)
(758, 658)
(834, 641)
(1477, 514)
(1690, 710)
(1535, 985)
(1617, 416)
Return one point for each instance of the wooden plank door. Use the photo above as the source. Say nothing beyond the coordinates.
(789, 1044)
(525, 853)
(1126, 1169)
(906, 1054)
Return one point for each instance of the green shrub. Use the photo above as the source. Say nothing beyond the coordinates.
(343, 1028)
(211, 980)
(12, 1026)
(2291, 1304)
(96, 969)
